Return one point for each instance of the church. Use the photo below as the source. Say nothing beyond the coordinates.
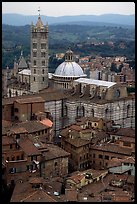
(71, 95)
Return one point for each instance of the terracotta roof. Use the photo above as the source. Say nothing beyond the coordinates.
(127, 139)
(126, 132)
(30, 100)
(130, 160)
(114, 148)
(75, 127)
(36, 180)
(28, 147)
(29, 126)
(23, 192)
(55, 152)
(78, 142)
(47, 122)
(76, 178)
(17, 130)
(114, 162)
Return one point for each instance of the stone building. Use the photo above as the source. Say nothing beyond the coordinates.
(39, 56)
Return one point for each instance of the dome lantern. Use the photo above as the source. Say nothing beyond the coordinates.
(69, 56)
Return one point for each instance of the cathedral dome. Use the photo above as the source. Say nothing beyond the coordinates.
(69, 68)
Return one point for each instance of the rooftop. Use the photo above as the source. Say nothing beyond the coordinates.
(25, 72)
(30, 100)
(95, 82)
(113, 148)
(28, 147)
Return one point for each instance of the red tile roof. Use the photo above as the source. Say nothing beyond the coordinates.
(47, 122)
(114, 148)
(28, 147)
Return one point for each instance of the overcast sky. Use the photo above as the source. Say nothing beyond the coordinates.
(68, 8)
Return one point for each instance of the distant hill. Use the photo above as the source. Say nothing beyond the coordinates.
(106, 19)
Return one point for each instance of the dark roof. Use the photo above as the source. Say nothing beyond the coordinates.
(130, 132)
(29, 126)
(55, 152)
(30, 100)
(78, 142)
(113, 148)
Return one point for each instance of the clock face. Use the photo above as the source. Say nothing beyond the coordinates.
(116, 93)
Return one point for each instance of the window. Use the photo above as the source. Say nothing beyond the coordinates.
(128, 111)
(13, 158)
(16, 93)
(92, 113)
(34, 71)
(42, 71)
(43, 78)
(34, 78)
(10, 146)
(93, 155)
(34, 54)
(18, 157)
(34, 45)
(34, 62)
(55, 164)
(95, 124)
(106, 157)
(100, 156)
(27, 167)
(43, 46)
(16, 110)
(43, 64)
(43, 54)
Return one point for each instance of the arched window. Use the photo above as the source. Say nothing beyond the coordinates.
(106, 112)
(35, 62)
(65, 110)
(92, 113)
(80, 111)
(16, 93)
(128, 110)
(34, 71)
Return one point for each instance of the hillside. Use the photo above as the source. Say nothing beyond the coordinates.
(106, 19)
(17, 38)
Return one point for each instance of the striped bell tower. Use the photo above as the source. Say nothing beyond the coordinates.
(39, 56)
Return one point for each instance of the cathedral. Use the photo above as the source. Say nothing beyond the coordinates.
(72, 95)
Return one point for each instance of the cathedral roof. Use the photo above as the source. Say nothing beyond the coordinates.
(69, 68)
